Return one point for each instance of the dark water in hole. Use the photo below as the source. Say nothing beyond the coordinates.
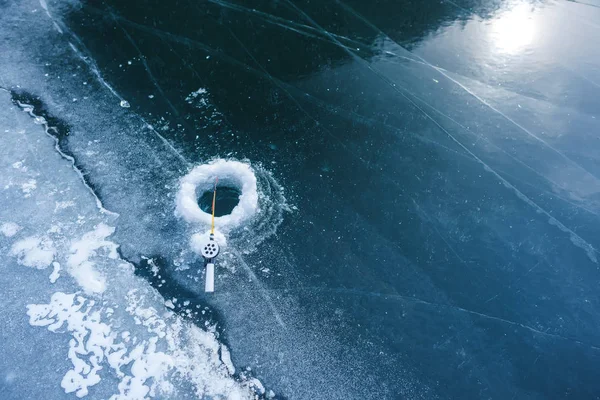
(443, 158)
(226, 200)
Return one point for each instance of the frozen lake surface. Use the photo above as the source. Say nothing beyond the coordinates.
(419, 212)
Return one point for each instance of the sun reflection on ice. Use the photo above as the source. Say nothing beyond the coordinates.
(514, 29)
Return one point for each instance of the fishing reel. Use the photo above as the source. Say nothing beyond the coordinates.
(209, 251)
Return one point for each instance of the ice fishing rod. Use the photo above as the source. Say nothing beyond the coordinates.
(211, 248)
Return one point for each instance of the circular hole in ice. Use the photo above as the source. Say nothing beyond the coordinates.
(237, 195)
(226, 200)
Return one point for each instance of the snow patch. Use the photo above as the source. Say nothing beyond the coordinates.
(55, 272)
(29, 187)
(79, 264)
(94, 344)
(226, 358)
(9, 229)
(34, 252)
(19, 165)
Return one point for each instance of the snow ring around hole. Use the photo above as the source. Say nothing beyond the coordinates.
(255, 218)
(202, 179)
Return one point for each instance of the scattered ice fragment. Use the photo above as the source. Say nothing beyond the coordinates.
(153, 267)
(150, 96)
(124, 104)
(226, 358)
(169, 304)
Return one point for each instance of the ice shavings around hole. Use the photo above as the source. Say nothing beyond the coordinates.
(256, 216)
(34, 252)
(9, 229)
(202, 178)
(200, 100)
(195, 94)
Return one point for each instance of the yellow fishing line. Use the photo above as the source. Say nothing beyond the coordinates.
(212, 225)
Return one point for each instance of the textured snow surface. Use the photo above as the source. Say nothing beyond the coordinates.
(109, 333)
